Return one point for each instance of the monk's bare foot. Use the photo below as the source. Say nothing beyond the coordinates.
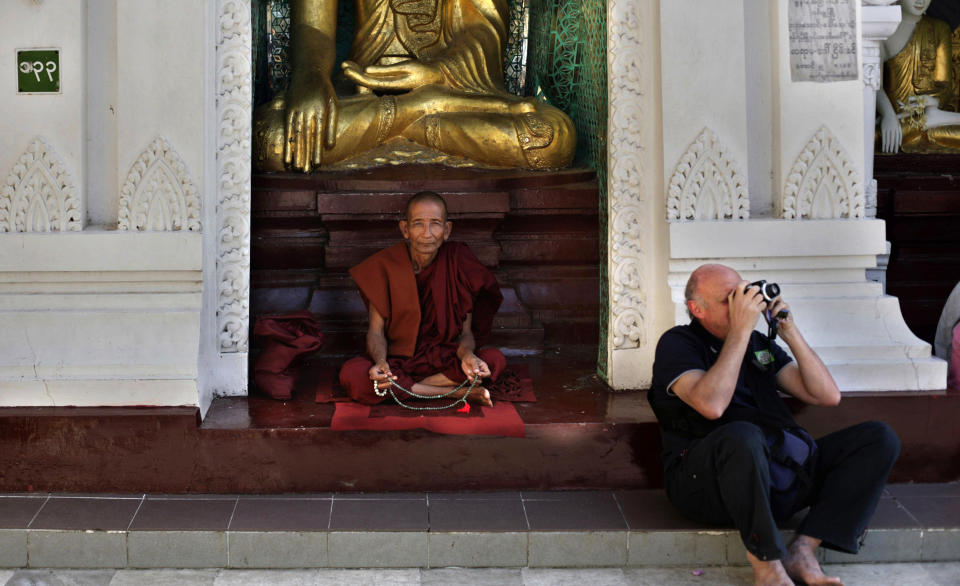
(802, 565)
(480, 396)
(769, 573)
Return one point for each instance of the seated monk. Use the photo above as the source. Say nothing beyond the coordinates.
(918, 86)
(426, 71)
(430, 303)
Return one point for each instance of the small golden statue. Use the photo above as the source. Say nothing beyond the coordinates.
(427, 73)
(919, 86)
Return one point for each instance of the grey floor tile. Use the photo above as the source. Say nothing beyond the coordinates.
(61, 578)
(883, 545)
(379, 515)
(898, 574)
(676, 548)
(276, 549)
(942, 489)
(478, 550)
(477, 515)
(164, 577)
(17, 512)
(577, 549)
(576, 512)
(647, 510)
(281, 515)
(86, 513)
(494, 495)
(377, 549)
(13, 548)
(271, 577)
(177, 549)
(933, 512)
(689, 576)
(559, 577)
(941, 545)
(380, 496)
(182, 514)
(77, 549)
(943, 574)
(892, 514)
(5, 575)
(471, 577)
(408, 577)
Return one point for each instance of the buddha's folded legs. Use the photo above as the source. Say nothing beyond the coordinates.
(491, 130)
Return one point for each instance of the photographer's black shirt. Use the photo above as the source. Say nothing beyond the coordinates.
(691, 347)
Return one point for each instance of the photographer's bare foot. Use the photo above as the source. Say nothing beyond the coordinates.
(769, 573)
(802, 565)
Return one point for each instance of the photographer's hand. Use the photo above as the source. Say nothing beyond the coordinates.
(746, 304)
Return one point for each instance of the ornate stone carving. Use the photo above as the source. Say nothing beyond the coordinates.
(706, 184)
(872, 68)
(159, 193)
(823, 182)
(39, 194)
(234, 107)
(628, 301)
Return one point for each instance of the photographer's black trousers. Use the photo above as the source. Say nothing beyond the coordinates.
(724, 479)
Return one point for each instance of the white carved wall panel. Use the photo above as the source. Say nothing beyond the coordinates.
(706, 183)
(159, 193)
(234, 109)
(823, 182)
(627, 201)
(39, 194)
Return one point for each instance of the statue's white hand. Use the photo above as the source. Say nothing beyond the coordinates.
(891, 135)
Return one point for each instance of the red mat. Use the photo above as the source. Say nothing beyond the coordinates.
(502, 419)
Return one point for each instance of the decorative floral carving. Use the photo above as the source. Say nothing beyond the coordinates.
(823, 182)
(39, 194)
(234, 108)
(159, 193)
(706, 184)
(628, 259)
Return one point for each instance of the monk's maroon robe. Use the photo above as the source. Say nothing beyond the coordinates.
(424, 315)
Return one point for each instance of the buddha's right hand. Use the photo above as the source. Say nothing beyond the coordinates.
(311, 122)
(891, 135)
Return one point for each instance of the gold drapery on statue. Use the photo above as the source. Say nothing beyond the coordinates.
(428, 74)
(924, 69)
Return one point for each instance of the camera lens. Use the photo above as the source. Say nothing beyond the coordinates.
(770, 291)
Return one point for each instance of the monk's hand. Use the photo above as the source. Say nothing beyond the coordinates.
(381, 375)
(311, 121)
(403, 76)
(474, 368)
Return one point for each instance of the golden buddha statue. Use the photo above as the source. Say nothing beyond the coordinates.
(427, 73)
(919, 86)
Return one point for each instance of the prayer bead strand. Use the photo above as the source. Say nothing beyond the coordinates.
(461, 400)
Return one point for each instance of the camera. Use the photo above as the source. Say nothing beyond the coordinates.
(770, 291)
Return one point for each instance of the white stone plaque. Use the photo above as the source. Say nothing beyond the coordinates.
(823, 40)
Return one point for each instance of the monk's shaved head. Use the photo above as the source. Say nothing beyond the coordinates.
(429, 196)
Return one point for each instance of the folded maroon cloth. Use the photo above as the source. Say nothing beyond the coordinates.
(288, 337)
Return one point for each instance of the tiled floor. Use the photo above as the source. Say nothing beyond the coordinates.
(536, 528)
(929, 574)
(932, 506)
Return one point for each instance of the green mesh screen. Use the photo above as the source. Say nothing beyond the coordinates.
(568, 67)
(556, 50)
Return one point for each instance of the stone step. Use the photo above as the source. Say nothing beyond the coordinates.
(625, 528)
